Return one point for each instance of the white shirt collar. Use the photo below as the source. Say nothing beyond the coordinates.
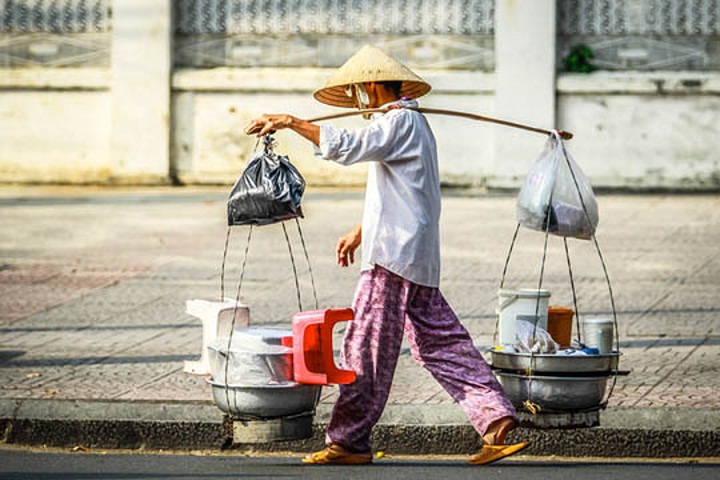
(409, 103)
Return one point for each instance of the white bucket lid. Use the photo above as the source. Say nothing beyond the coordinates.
(252, 349)
(598, 320)
(267, 334)
(525, 293)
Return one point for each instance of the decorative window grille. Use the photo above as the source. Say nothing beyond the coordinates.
(323, 33)
(55, 33)
(642, 34)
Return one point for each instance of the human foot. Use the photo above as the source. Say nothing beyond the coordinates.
(493, 453)
(335, 454)
(498, 430)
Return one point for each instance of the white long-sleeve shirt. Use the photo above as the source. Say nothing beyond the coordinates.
(400, 228)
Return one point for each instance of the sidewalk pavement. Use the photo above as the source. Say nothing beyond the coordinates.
(93, 332)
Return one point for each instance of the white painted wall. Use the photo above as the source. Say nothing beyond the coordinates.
(210, 146)
(645, 141)
(210, 110)
(525, 88)
(54, 136)
(140, 90)
(139, 121)
(647, 130)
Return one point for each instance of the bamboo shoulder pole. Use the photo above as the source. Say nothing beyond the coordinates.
(481, 118)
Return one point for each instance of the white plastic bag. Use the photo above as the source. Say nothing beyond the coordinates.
(272, 365)
(556, 195)
(532, 339)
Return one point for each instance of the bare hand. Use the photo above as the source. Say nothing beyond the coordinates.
(268, 123)
(346, 246)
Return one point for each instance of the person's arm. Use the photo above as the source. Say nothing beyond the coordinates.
(381, 141)
(265, 124)
(346, 246)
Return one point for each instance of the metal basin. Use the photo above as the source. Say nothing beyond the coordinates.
(560, 394)
(267, 401)
(552, 363)
(250, 367)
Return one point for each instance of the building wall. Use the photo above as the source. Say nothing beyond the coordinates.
(649, 130)
(55, 125)
(211, 108)
(77, 105)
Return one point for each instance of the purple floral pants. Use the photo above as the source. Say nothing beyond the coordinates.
(386, 305)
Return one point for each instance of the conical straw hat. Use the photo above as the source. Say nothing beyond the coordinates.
(369, 64)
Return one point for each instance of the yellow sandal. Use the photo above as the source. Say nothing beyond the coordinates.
(335, 454)
(493, 453)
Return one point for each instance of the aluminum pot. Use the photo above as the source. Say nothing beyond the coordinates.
(554, 393)
(554, 363)
(268, 401)
(250, 368)
(255, 356)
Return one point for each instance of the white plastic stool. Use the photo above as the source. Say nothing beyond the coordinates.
(217, 321)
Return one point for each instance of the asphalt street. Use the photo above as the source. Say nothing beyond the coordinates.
(56, 465)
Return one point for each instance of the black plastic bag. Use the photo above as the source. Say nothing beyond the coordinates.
(268, 191)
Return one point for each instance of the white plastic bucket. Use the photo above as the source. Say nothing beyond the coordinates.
(598, 333)
(521, 305)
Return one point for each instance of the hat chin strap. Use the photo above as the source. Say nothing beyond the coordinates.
(361, 96)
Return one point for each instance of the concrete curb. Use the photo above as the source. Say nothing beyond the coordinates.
(405, 429)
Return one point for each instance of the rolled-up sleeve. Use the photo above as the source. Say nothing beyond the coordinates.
(329, 141)
(369, 144)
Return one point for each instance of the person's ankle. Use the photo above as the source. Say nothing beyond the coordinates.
(498, 430)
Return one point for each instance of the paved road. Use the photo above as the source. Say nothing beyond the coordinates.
(94, 282)
(18, 464)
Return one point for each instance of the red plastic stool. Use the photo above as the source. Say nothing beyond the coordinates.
(313, 359)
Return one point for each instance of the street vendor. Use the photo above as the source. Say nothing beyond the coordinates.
(400, 274)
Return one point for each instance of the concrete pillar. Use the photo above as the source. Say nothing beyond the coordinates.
(525, 84)
(141, 69)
